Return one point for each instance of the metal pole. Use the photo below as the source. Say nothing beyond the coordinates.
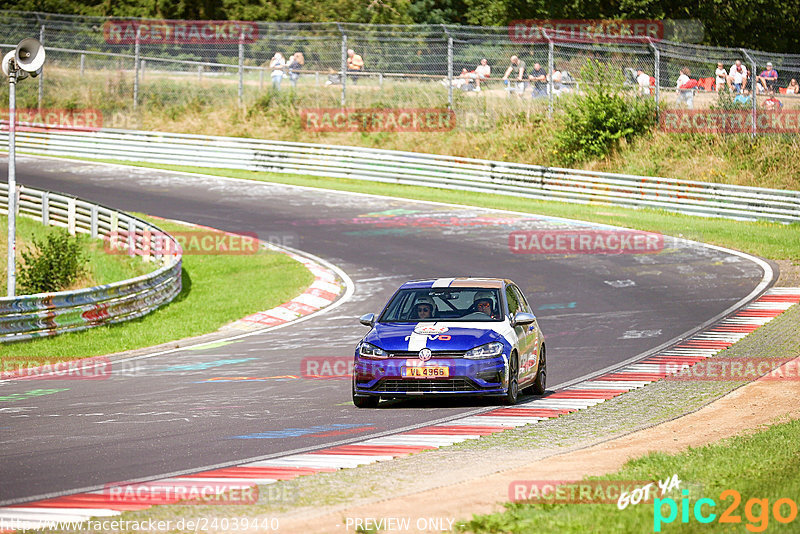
(449, 72)
(136, 71)
(12, 182)
(344, 68)
(41, 76)
(656, 75)
(241, 68)
(754, 114)
(550, 51)
(83, 63)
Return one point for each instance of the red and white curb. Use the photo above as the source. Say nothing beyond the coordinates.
(81, 507)
(325, 289)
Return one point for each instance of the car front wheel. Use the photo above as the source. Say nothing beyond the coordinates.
(364, 401)
(512, 393)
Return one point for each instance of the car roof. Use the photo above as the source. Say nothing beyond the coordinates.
(487, 283)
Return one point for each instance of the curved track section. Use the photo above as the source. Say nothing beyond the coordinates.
(221, 405)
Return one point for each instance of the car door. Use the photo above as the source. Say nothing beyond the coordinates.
(531, 341)
(514, 306)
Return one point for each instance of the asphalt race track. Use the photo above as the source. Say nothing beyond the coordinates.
(167, 417)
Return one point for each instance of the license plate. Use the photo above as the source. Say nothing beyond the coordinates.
(426, 372)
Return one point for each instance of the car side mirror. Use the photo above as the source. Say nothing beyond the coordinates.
(523, 318)
(367, 320)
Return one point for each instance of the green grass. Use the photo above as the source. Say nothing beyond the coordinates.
(769, 240)
(217, 289)
(101, 268)
(764, 465)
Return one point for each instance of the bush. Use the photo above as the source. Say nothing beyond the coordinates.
(52, 265)
(596, 121)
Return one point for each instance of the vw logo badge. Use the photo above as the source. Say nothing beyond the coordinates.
(425, 354)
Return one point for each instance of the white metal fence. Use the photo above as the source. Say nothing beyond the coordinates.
(529, 181)
(46, 314)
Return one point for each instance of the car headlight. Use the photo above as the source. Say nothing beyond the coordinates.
(490, 350)
(368, 350)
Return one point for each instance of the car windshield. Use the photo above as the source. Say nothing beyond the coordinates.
(443, 304)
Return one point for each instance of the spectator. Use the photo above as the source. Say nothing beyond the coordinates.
(556, 77)
(793, 88)
(538, 78)
(738, 76)
(772, 103)
(685, 88)
(643, 80)
(721, 77)
(277, 64)
(744, 99)
(769, 79)
(482, 73)
(355, 63)
(516, 70)
(294, 65)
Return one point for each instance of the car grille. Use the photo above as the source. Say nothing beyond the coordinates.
(426, 386)
(434, 354)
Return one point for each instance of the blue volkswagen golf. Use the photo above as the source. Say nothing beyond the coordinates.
(451, 336)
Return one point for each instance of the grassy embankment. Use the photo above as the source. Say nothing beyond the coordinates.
(508, 128)
(217, 289)
(762, 466)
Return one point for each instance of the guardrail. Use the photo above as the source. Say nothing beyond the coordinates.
(411, 168)
(46, 314)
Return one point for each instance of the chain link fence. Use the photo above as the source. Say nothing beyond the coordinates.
(131, 66)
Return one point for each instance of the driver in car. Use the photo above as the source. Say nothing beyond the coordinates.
(483, 303)
(424, 308)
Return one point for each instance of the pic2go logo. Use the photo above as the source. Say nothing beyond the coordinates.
(783, 511)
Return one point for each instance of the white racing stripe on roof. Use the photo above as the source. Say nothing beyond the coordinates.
(443, 282)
